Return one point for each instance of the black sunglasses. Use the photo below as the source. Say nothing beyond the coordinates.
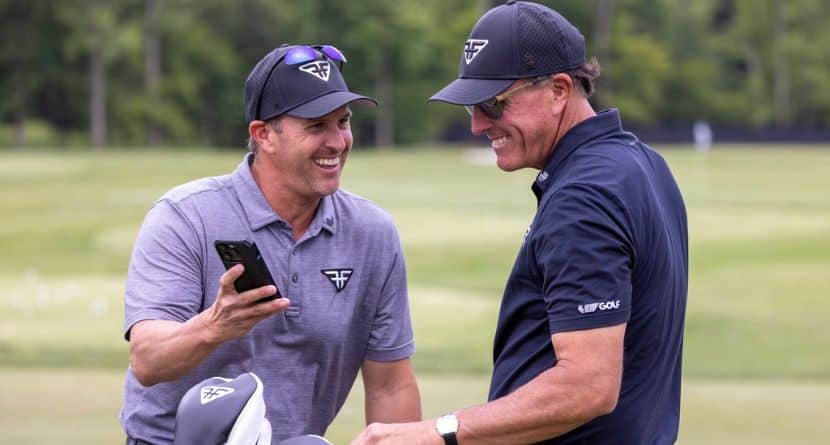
(494, 107)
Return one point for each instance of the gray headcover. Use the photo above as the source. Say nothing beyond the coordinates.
(219, 411)
(310, 439)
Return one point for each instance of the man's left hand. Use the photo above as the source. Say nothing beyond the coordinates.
(414, 433)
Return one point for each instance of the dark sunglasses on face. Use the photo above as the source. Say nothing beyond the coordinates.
(494, 107)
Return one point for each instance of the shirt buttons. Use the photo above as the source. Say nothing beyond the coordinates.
(294, 251)
(295, 278)
(329, 221)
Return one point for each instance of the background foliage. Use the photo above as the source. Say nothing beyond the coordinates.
(162, 72)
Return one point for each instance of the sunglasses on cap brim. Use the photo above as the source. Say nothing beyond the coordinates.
(302, 54)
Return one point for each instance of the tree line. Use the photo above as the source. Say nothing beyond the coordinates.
(171, 72)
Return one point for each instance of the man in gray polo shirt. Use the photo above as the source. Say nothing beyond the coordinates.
(335, 258)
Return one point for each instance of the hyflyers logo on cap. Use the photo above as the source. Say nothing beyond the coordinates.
(319, 69)
(472, 48)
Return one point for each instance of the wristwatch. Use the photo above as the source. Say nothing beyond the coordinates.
(447, 427)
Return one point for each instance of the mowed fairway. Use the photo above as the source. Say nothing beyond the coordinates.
(756, 365)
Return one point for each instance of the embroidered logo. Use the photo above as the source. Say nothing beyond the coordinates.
(338, 277)
(472, 48)
(604, 306)
(319, 69)
(211, 393)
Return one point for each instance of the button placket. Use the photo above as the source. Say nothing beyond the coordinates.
(294, 285)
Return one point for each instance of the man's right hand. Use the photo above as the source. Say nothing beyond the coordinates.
(164, 350)
(233, 314)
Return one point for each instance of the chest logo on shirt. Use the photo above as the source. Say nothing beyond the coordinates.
(338, 277)
(211, 393)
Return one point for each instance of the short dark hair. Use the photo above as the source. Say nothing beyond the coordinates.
(275, 123)
(585, 76)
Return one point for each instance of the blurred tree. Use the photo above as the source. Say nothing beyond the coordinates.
(17, 20)
(75, 64)
(774, 51)
(152, 66)
(34, 75)
(107, 35)
(638, 63)
(690, 90)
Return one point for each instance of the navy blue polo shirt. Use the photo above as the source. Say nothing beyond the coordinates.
(608, 245)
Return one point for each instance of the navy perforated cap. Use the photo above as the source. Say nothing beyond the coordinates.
(513, 41)
(307, 90)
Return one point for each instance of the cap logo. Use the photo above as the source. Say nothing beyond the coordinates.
(319, 69)
(472, 48)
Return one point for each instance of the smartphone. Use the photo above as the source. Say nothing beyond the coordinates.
(246, 253)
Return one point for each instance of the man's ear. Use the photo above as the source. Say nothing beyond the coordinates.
(562, 86)
(258, 132)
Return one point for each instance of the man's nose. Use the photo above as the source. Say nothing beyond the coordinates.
(336, 139)
(479, 122)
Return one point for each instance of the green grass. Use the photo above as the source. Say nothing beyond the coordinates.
(81, 407)
(760, 254)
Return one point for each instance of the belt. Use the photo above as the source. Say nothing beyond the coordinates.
(131, 441)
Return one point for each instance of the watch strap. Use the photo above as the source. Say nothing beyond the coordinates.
(450, 439)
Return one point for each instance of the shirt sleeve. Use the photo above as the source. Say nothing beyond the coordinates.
(586, 256)
(391, 336)
(164, 280)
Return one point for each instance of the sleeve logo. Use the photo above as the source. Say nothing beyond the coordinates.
(593, 307)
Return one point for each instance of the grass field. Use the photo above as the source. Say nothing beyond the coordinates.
(756, 366)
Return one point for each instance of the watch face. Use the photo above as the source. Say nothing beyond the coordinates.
(447, 424)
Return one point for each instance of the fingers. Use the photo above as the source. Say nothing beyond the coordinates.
(257, 294)
(227, 279)
(251, 298)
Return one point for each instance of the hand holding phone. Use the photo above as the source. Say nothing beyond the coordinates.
(256, 272)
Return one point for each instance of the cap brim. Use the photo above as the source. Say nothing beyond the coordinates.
(471, 91)
(324, 105)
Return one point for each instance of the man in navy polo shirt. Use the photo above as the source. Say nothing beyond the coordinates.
(589, 338)
(335, 258)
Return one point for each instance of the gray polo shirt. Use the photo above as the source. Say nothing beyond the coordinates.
(309, 355)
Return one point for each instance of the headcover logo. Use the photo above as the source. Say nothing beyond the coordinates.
(338, 277)
(472, 48)
(319, 69)
(211, 393)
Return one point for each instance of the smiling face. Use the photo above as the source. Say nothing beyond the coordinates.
(306, 156)
(525, 134)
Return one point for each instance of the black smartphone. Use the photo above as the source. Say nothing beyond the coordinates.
(246, 253)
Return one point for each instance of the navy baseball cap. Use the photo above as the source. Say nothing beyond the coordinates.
(513, 41)
(309, 89)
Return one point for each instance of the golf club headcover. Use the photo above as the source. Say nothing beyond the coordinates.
(220, 411)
